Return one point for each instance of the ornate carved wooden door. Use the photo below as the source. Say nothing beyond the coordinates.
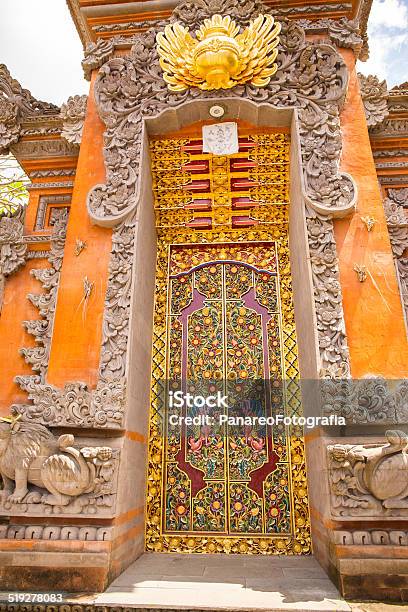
(224, 325)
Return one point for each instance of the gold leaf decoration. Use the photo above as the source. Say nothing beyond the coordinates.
(219, 57)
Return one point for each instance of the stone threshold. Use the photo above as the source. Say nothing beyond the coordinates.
(204, 583)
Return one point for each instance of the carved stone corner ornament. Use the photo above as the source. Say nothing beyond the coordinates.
(12, 245)
(219, 57)
(374, 94)
(73, 117)
(17, 104)
(346, 33)
(370, 480)
(48, 475)
(395, 206)
(96, 54)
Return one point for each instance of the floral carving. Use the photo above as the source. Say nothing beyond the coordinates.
(73, 116)
(117, 303)
(371, 479)
(96, 54)
(42, 473)
(41, 329)
(346, 33)
(375, 96)
(365, 401)
(16, 104)
(13, 249)
(75, 405)
(397, 221)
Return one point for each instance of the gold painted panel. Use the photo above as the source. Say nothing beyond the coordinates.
(220, 220)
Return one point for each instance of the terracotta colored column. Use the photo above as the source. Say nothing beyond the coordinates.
(372, 309)
(77, 335)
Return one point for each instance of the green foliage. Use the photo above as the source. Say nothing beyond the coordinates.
(13, 186)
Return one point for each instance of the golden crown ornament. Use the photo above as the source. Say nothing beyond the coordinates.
(219, 57)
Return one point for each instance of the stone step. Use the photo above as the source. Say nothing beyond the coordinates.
(211, 583)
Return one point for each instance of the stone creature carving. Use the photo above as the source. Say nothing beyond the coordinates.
(370, 479)
(31, 455)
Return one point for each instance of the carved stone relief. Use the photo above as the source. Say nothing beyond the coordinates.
(48, 475)
(370, 480)
(346, 33)
(13, 248)
(391, 127)
(48, 173)
(44, 202)
(369, 401)
(32, 149)
(73, 117)
(50, 184)
(395, 206)
(372, 537)
(75, 405)
(374, 94)
(16, 104)
(55, 532)
(41, 329)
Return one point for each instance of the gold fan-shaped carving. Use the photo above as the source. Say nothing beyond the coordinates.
(219, 57)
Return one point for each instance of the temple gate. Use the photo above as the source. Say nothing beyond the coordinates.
(144, 266)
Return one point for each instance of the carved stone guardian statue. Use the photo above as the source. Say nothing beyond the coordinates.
(36, 467)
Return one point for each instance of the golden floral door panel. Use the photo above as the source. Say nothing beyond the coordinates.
(224, 328)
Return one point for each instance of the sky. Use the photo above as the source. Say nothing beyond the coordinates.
(41, 47)
(388, 41)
